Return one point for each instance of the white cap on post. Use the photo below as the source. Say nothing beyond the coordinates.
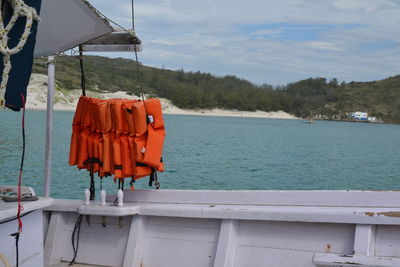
(103, 198)
(87, 197)
(120, 196)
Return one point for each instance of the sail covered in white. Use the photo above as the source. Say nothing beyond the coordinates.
(67, 23)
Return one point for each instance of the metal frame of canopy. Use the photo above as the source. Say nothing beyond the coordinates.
(101, 41)
(114, 42)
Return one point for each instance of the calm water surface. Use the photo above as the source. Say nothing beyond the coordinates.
(224, 153)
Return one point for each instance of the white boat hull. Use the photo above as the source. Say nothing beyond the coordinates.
(31, 239)
(231, 228)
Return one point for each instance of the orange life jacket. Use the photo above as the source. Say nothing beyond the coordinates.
(118, 136)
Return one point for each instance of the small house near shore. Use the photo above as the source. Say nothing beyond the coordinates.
(358, 115)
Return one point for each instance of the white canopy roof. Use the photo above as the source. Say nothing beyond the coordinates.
(67, 23)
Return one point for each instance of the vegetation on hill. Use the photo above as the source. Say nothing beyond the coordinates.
(306, 98)
(380, 99)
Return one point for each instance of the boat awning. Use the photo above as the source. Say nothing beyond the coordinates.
(67, 23)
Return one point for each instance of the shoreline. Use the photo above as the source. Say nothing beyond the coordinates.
(207, 113)
(67, 101)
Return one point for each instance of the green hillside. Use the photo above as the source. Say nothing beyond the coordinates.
(318, 96)
(310, 97)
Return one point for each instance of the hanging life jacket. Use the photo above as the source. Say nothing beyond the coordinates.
(118, 137)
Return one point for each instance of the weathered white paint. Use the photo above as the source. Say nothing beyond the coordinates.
(30, 242)
(98, 245)
(357, 215)
(262, 197)
(135, 246)
(227, 243)
(270, 228)
(327, 260)
(54, 239)
(9, 209)
(95, 208)
(364, 240)
(31, 238)
(387, 238)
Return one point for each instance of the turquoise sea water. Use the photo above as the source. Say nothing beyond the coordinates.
(224, 153)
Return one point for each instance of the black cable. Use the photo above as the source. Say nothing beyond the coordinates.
(115, 203)
(157, 183)
(138, 73)
(18, 217)
(136, 56)
(13, 219)
(83, 78)
(23, 137)
(92, 186)
(16, 235)
(17, 249)
(20, 208)
(75, 249)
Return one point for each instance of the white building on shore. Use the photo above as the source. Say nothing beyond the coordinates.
(359, 115)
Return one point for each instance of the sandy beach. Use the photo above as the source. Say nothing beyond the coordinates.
(67, 100)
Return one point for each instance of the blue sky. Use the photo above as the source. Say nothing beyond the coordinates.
(274, 41)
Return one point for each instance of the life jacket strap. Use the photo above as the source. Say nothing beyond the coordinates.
(118, 167)
(92, 161)
(154, 178)
(151, 178)
(139, 164)
(121, 183)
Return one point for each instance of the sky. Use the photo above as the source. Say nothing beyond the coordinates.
(266, 41)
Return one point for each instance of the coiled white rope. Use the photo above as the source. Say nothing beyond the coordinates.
(20, 10)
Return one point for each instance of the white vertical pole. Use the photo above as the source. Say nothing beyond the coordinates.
(49, 124)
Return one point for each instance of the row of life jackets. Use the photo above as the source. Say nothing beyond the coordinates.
(119, 137)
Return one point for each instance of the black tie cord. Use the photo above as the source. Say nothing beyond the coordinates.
(83, 78)
(75, 248)
(17, 234)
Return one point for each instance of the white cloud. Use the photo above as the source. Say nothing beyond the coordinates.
(227, 37)
(329, 46)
